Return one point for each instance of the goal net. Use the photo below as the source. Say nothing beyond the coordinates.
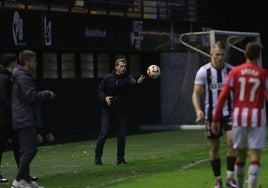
(194, 52)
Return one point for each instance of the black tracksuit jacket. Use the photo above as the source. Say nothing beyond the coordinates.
(117, 86)
(5, 97)
(26, 100)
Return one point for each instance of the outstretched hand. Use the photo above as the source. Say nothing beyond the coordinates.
(140, 79)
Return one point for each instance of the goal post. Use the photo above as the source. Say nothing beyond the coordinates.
(179, 67)
(179, 70)
(235, 41)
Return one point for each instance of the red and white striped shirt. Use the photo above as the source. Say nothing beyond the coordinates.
(248, 82)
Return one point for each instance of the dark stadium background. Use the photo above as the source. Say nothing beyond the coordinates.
(75, 113)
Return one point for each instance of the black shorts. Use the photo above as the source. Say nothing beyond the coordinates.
(225, 124)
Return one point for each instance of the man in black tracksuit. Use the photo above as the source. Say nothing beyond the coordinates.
(26, 114)
(113, 92)
(8, 63)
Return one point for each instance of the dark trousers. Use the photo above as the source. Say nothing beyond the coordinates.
(119, 118)
(28, 149)
(3, 140)
(5, 134)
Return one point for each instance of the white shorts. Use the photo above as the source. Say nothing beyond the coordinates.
(249, 137)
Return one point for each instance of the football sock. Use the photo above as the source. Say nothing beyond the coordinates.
(230, 174)
(216, 167)
(230, 166)
(253, 174)
(240, 172)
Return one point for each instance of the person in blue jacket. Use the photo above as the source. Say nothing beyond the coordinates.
(113, 92)
(26, 114)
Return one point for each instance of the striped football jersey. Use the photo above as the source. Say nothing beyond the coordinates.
(213, 80)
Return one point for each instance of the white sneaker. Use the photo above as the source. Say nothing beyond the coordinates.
(19, 184)
(24, 184)
(36, 185)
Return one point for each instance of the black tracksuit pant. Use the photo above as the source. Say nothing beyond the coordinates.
(5, 134)
(28, 149)
(119, 118)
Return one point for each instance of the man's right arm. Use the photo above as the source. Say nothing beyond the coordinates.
(30, 93)
(196, 99)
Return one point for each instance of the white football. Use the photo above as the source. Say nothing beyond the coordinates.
(153, 71)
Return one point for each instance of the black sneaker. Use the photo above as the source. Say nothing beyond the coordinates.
(98, 161)
(33, 178)
(3, 180)
(121, 161)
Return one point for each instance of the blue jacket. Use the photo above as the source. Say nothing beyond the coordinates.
(117, 86)
(5, 97)
(26, 111)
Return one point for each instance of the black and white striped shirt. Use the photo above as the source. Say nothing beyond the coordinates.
(213, 79)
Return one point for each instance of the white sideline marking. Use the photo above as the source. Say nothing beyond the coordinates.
(172, 127)
(68, 165)
(107, 183)
(122, 179)
(192, 127)
(192, 164)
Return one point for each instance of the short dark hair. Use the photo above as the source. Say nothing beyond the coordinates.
(26, 55)
(120, 60)
(253, 50)
(8, 59)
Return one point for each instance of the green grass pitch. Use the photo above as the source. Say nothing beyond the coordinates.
(165, 159)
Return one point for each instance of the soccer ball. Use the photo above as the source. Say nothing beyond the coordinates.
(153, 71)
